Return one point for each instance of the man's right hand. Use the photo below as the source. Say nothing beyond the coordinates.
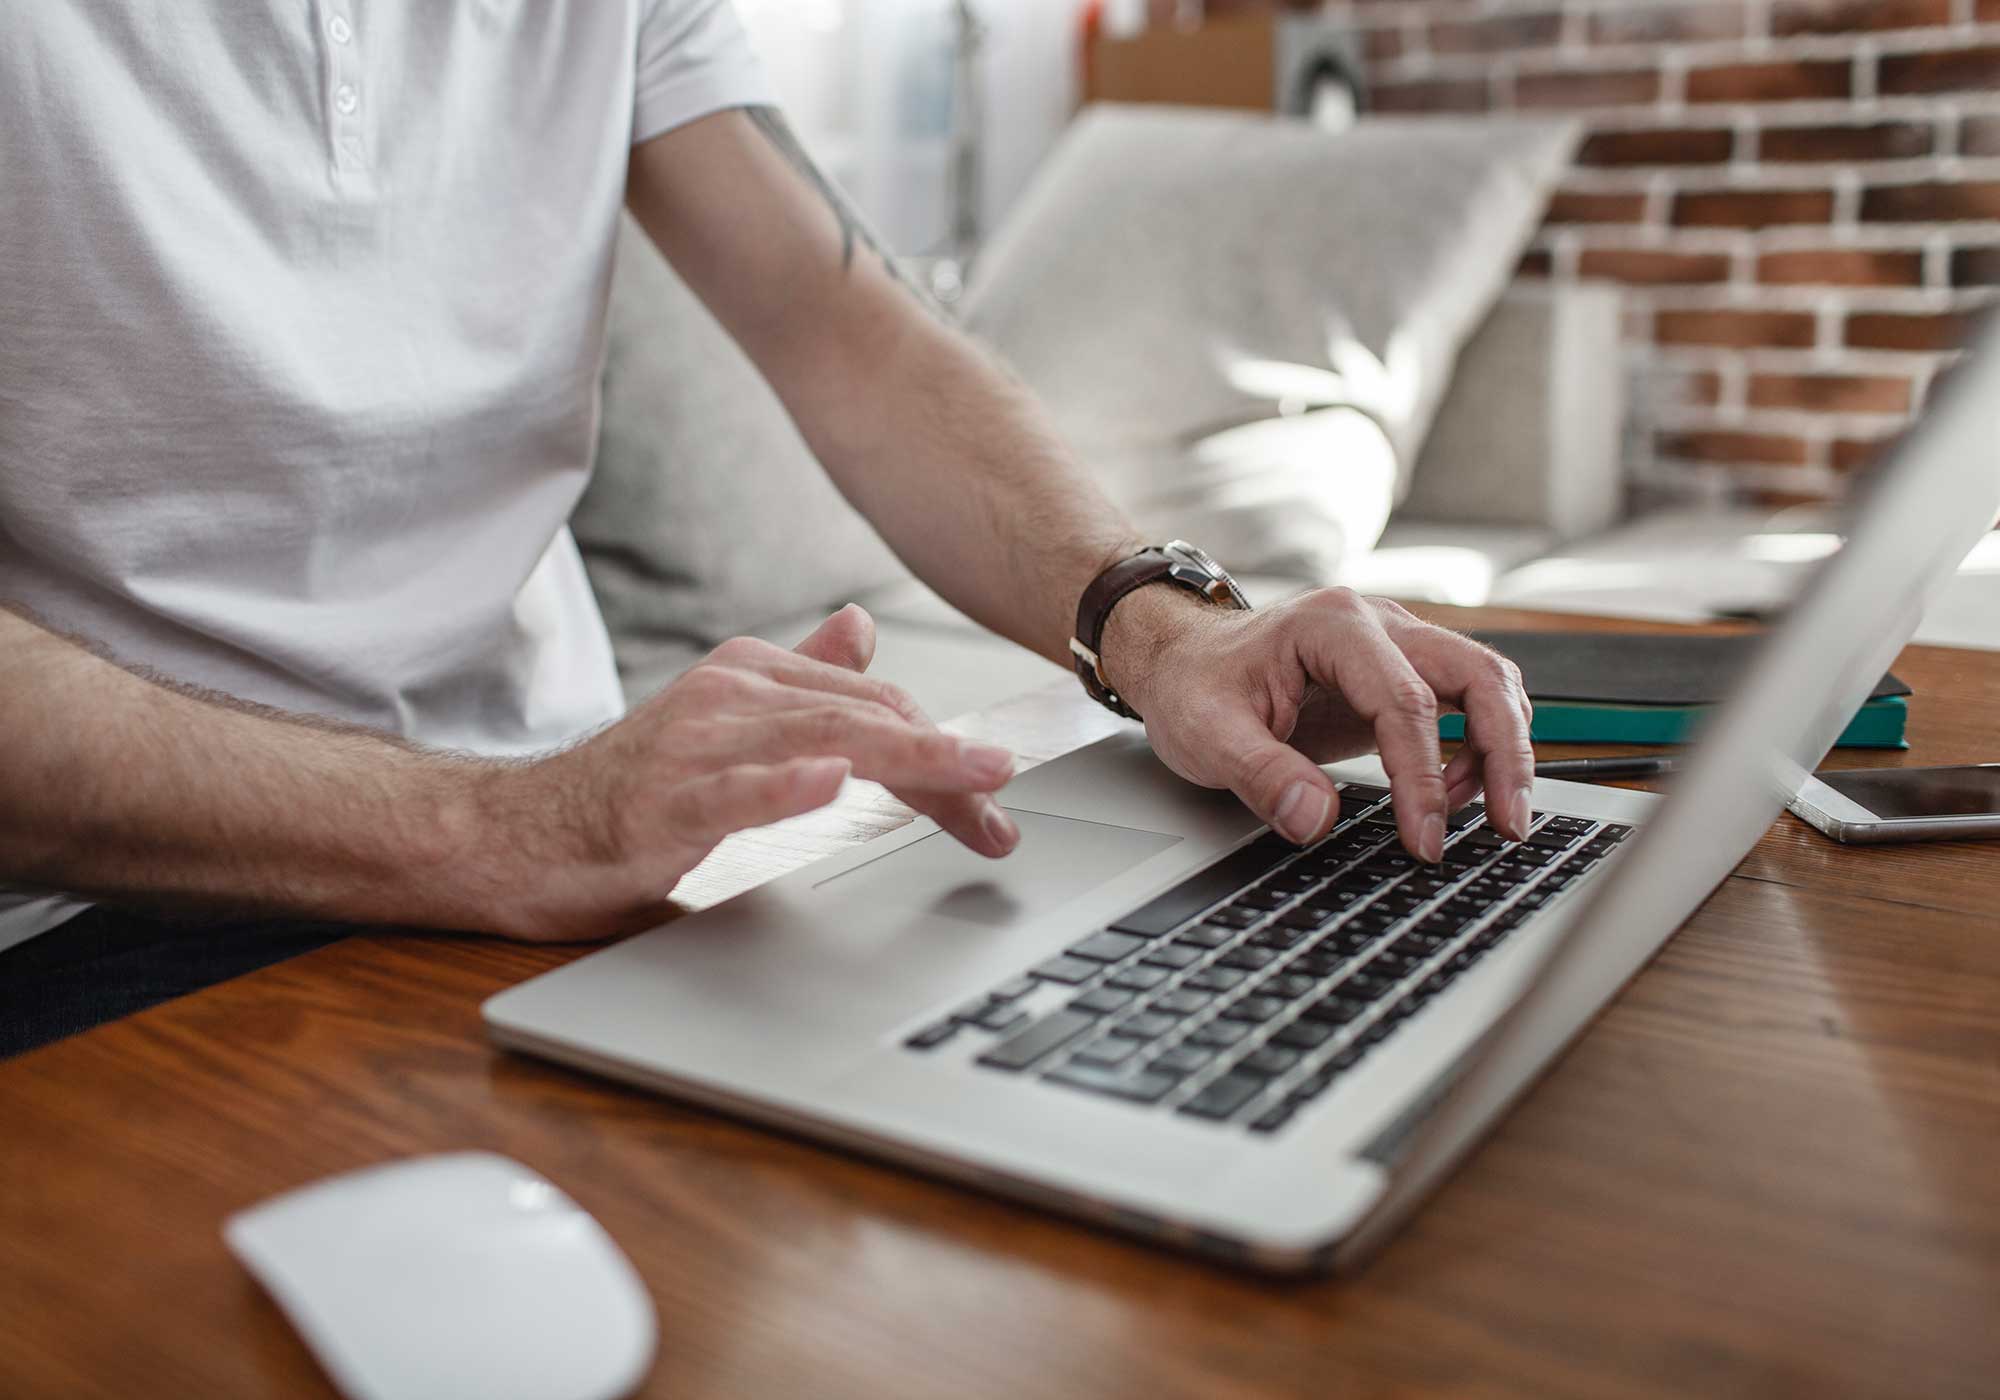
(750, 735)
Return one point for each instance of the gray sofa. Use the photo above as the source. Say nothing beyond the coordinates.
(1523, 458)
(1164, 273)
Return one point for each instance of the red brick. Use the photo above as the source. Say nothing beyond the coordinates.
(1880, 141)
(1430, 95)
(1831, 393)
(1771, 82)
(1693, 388)
(1888, 330)
(1758, 449)
(1672, 146)
(1988, 10)
(1752, 208)
(1947, 70)
(1653, 266)
(1976, 267)
(1980, 136)
(1852, 454)
(1851, 16)
(1842, 267)
(1589, 207)
(1666, 24)
(1536, 263)
(1931, 202)
(1378, 44)
(1498, 32)
(1783, 330)
(1620, 89)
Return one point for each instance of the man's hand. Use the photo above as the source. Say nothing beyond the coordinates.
(752, 734)
(1254, 702)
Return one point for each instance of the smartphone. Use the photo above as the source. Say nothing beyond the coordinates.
(1903, 804)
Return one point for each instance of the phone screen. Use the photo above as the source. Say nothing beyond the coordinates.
(1900, 793)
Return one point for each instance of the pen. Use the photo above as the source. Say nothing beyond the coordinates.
(1631, 766)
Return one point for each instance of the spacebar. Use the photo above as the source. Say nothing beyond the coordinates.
(1205, 887)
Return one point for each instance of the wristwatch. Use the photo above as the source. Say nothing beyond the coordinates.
(1177, 562)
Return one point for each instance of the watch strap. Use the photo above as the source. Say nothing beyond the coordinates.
(1093, 610)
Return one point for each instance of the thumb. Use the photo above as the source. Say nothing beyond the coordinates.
(704, 810)
(846, 639)
(1276, 781)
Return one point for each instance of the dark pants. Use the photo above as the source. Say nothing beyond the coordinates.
(106, 963)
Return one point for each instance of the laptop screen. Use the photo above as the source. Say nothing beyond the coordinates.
(1934, 493)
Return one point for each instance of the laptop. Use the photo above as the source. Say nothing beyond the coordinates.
(1158, 1016)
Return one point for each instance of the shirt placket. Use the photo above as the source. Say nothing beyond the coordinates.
(346, 95)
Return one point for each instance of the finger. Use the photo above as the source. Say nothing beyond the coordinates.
(703, 810)
(976, 820)
(883, 748)
(807, 672)
(1488, 688)
(1277, 782)
(1344, 645)
(1461, 776)
(846, 640)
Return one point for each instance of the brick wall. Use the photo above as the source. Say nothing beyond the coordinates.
(1802, 198)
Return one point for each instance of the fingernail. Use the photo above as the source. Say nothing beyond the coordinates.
(1433, 842)
(1522, 813)
(999, 827)
(986, 761)
(1301, 811)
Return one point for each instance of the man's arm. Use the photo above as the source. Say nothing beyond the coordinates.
(119, 787)
(955, 464)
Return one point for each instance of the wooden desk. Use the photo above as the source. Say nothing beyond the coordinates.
(1771, 1168)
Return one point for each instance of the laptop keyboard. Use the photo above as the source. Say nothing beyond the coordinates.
(1244, 992)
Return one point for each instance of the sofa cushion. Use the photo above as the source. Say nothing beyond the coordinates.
(707, 516)
(1173, 275)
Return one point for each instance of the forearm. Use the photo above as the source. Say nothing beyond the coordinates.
(125, 789)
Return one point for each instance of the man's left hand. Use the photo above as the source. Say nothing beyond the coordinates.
(1255, 701)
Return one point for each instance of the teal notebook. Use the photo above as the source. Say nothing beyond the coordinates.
(1652, 688)
(1876, 725)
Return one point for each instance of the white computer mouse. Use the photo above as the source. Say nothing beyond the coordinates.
(460, 1274)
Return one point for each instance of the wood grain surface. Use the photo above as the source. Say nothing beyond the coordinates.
(1771, 1168)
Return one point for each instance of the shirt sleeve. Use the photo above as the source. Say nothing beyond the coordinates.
(693, 58)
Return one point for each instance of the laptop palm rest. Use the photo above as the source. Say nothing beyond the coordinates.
(1058, 860)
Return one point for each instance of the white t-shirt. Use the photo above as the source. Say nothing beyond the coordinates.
(302, 310)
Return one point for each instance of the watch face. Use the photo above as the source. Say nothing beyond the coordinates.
(1214, 581)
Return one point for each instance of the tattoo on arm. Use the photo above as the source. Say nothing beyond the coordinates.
(853, 227)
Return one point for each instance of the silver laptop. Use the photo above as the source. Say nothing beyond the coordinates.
(1158, 1016)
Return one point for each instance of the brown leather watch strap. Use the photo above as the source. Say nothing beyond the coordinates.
(1094, 609)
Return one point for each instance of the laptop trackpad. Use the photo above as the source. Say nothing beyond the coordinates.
(1058, 859)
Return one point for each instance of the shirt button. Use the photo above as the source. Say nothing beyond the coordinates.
(339, 30)
(346, 99)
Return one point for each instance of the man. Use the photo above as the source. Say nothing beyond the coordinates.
(303, 308)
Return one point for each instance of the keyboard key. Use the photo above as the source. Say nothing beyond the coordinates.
(932, 1035)
(1067, 970)
(1278, 938)
(1311, 1087)
(1232, 918)
(1270, 1061)
(1262, 900)
(1304, 1035)
(1335, 1010)
(1009, 991)
(1255, 1009)
(1471, 814)
(1290, 985)
(1367, 984)
(1024, 1047)
(1224, 1097)
(1182, 1001)
(1182, 1059)
(1203, 936)
(1355, 796)
(1174, 955)
(1319, 964)
(1249, 959)
(1220, 1034)
(1107, 947)
(1550, 839)
(1141, 1086)
(1216, 979)
(1169, 911)
(999, 1016)
(1145, 1025)
(1108, 1051)
(1102, 1002)
(1139, 979)
(1272, 1119)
